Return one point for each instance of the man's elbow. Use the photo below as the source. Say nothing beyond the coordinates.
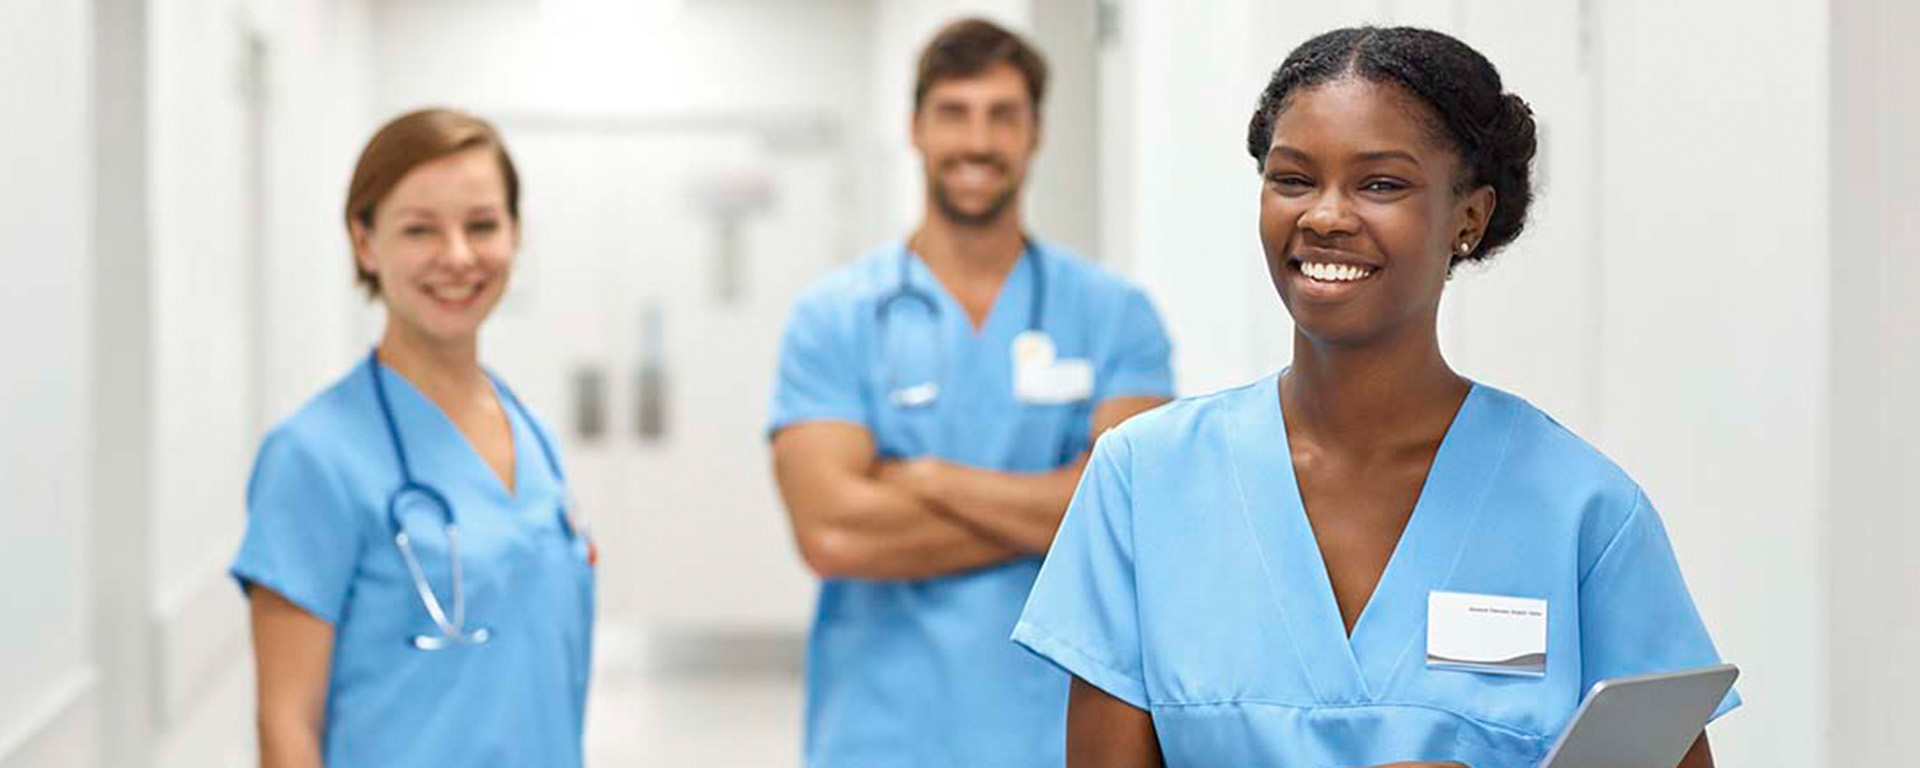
(829, 553)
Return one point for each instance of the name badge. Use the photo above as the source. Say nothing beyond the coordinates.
(1041, 378)
(1489, 634)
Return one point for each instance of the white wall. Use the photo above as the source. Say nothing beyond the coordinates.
(1714, 312)
(1875, 371)
(1063, 202)
(48, 682)
(164, 170)
(1176, 98)
(320, 91)
(1669, 302)
(1532, 319)
(250, 101)
(201, 333)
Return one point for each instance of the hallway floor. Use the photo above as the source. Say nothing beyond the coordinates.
(695, 702)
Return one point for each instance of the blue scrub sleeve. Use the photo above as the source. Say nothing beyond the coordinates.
(303, 537)
(1082, 614)
(1636, 615)
(1142, 363)
(819, 373)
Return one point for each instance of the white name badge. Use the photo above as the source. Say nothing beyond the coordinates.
(1487, 633)
(1040, 378)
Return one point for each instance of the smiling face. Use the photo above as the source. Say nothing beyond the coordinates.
(442, 244)
(976, 138)
(1360, 210)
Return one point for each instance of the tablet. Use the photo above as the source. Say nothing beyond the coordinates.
(1648, 721)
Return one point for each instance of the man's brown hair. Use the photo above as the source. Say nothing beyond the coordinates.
(968, 47)
(408, 142)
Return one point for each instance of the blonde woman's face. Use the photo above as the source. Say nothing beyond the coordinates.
(443, 244)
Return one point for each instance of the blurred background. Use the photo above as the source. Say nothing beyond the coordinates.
(1720, 288)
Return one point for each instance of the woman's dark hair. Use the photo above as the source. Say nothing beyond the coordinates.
(1492, 130)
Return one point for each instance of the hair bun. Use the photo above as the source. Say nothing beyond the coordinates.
(1517, 129)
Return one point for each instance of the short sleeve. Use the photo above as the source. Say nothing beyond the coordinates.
(1636, 615)
(1082, 614)
(819, 373)
(1141, 362)
(303, 536)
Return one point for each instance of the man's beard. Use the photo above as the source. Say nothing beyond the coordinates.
(953, 212)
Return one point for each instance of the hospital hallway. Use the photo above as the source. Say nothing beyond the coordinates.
(701, 701)
(1716, 287)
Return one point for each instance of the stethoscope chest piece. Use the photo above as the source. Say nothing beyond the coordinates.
(453, 626)
(916, 396)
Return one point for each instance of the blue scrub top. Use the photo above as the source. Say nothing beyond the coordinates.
(920, 673)
(318, 534)
(1186, 581)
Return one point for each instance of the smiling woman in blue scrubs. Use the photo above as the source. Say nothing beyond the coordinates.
(419, 596)
(1366, 559)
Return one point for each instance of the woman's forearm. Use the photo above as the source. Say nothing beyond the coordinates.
(286, 744)
(293, 651)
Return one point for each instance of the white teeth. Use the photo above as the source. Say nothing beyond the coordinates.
(454, 293)
(1334, 273)
(975, 174)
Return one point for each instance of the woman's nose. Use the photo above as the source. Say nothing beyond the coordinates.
(1330, 216)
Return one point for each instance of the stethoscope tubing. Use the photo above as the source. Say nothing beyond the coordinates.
(905, 290)
(453, 629)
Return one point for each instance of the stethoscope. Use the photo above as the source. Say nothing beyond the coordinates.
(925, 393)
(452, 632)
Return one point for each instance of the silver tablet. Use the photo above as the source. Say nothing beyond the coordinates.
(1642, 722)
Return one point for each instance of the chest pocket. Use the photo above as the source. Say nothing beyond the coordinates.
(1060, 426)
(1062, 415)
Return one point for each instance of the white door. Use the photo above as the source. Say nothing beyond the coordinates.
(658, 266)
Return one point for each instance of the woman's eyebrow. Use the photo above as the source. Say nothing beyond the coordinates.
(1378, 155)
(1282, 150)
(1387, 154)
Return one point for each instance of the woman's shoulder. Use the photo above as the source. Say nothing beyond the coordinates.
(340, 416)
(1542, 439)
(1545, 457)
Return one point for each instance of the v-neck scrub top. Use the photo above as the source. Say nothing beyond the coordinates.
(1186, 581)
(919, 674)
(318, 535)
